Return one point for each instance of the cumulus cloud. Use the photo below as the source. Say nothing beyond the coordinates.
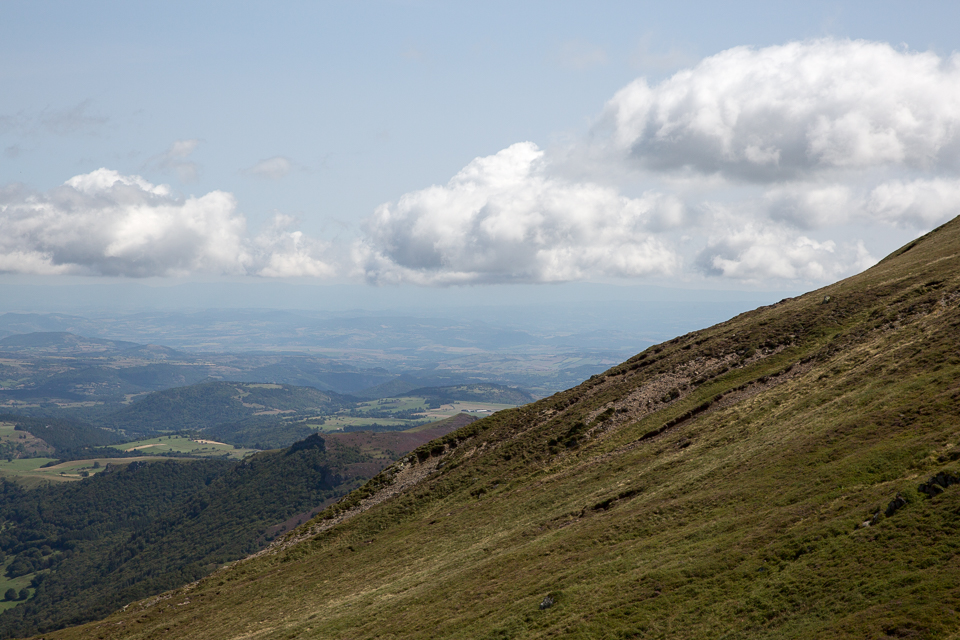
(921, 203)
(503, 218)
(755, 165)
(795, 110)
(809, 206)
(281, 253)
(105, 223)
(272, 168)
(174, 160)
(758, 165)
(757, 252)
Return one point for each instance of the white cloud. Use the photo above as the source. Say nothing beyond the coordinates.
(761, 252)
(922, 203)
(761, 165)
(282, 253)
(754, 164)
(794, 110)
(174, 160)
(811, 206)
(272, 168)
(105, 223)
(504, 219)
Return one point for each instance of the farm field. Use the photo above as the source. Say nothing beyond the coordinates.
(30, 472)
(478, 409)
(180, 444)
(343, 419)
(393, 404)
(337, 423)
(18, 583)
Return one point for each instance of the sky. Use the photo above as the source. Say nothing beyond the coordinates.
(438, 148)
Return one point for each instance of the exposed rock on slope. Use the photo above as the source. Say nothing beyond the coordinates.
(712, 486)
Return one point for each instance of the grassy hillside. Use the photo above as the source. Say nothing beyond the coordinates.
(757, 479)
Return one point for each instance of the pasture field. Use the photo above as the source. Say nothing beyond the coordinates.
(13, 441)
(22, 582)
(393, 404)
(180, 444)
(338, 421)
(478, 409)
(30, 472)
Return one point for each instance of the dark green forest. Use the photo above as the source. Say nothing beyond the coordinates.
(142, 528)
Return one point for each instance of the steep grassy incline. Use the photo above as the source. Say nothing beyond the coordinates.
(757, 479)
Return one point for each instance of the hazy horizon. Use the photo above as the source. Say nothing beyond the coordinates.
(630, 168)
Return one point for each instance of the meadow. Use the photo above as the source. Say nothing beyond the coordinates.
(404, 412)
(184, 445)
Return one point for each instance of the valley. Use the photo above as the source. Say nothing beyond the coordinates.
(759, 478)
(128, 444)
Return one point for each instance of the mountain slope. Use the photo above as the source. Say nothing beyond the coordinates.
(757, 479)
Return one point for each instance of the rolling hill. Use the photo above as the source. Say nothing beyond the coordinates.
(61, 341)
(480, 392)
(791, 472)
(138, 528)
(209, 404)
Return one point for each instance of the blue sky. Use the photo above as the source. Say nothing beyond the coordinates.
(496, 144)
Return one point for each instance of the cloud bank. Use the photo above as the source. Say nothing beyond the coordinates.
(104, 223)
(757, 164)
(777, 165)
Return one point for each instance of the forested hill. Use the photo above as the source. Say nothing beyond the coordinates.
(205, 405)
(135, 530)
(65, 534)
(66, 436)
(791, 473)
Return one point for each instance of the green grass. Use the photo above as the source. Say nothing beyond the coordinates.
(27, 471)
(15, 443)
(341, 420)
(394, 404)
(180, 444)
(21, 582)
(30, 472)
(334, 423)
